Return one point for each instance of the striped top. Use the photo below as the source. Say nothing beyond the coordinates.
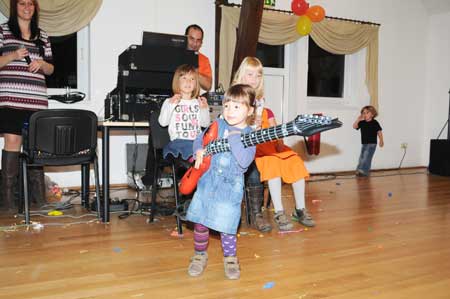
(20, 88)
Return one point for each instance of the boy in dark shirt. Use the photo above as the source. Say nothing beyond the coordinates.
(370, 129)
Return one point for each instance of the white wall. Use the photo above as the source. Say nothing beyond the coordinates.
(413, 78)
(438, 78)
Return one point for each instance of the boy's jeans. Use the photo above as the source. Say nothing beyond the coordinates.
(365, 158)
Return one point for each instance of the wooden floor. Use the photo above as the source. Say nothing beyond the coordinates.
(387, 236)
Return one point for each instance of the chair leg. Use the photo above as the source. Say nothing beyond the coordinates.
(247, 207)
(97, 187)
(175, 191)
(21, 186)
(269, 200)
(154, 190)
(85, 168)
(25, 192)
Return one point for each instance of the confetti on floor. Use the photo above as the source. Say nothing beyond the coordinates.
(292, 231)
(117, 249)
(84, 251)
(174, 233)
(316, 201)
(257, 256)
(269, 285)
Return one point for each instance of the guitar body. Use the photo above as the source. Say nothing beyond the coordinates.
(189, 180)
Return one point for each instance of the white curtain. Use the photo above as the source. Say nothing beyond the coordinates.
(278, 28)
(62, 17)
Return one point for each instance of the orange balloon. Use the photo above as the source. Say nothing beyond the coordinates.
(316, 13)
(304, 25)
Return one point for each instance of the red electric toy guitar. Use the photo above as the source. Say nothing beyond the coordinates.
(302, 125)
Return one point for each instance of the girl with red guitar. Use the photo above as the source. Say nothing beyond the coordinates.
(274, 160)
(217, 202)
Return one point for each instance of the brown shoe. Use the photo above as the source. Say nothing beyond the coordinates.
(261, 224)
(198, 264)
(231, 267)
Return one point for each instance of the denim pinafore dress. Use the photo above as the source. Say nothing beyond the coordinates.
(217, 202)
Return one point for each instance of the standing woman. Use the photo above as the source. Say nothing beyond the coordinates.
(25, 60)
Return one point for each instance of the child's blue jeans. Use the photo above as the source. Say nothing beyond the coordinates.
(365, 158)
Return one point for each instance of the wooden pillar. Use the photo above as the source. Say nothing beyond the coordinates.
(248, 31)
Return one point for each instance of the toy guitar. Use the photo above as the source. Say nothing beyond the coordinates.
(302, 125)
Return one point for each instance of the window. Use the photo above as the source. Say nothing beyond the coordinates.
(325, 72)
(64, 49)
(71, 61)
(270, 56)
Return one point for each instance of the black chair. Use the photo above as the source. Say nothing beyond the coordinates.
(61, 137)
(160, 137)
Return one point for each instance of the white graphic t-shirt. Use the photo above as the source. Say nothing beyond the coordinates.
(184, 119)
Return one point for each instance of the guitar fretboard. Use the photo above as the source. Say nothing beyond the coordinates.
(257, 137)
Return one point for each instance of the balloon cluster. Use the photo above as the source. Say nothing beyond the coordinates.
(307, 14)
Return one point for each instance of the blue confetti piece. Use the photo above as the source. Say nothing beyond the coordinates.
(117, 249)
(390, 194)
(269, 285)
(338, 184)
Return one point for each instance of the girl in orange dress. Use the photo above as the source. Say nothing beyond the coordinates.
(275, 161)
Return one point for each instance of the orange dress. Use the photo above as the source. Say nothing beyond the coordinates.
(272, 164)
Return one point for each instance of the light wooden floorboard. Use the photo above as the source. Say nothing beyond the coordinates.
(387, 236)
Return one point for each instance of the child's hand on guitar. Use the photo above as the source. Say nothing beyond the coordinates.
(279, 145)
(199, 158)
(175, 99)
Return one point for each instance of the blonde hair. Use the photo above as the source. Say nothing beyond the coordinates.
(250, 63)
(181, 71)
(371, 109)
(244, 94)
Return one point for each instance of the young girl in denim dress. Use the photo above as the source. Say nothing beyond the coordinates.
(370, 130)
(185, 113)
(217, 202)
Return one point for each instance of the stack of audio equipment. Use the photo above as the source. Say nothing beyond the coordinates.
(134, 107)
(145, 75)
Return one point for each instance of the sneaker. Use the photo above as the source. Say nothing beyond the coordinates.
(198, 264)
(282, 221)
(231, 267)
(359, 173)
(303, 217)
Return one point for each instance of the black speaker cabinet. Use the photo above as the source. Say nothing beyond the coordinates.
(439, 157)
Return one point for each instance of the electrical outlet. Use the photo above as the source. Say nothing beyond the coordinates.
(404, 145)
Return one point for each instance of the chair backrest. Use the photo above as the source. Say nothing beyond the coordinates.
(160, 135)
(61, 133)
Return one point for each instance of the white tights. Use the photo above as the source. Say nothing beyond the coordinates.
(275, 193)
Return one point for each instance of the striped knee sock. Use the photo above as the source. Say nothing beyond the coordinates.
(201, 238)
(228, 244)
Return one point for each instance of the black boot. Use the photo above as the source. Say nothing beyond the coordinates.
(255, 195)
(36, 183)
(10, 172)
